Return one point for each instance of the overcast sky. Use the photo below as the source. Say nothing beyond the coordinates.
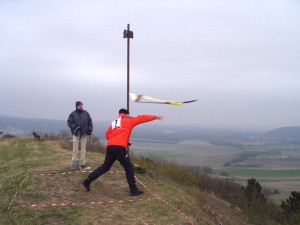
(239, 58)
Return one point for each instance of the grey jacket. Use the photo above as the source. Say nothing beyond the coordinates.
(80, 119)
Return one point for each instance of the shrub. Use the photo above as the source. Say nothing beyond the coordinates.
(8, 137)
(291, 208)
(292, 204)
(207, 170)
(253, 193)
(65, 144)
(169, 170)
(94, 144)
(224, 174)
(224, 188)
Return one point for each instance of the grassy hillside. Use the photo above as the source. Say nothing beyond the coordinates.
(171, 196)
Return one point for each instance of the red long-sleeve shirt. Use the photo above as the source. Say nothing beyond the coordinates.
(120, 129)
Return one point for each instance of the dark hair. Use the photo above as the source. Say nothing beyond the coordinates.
(125, 111)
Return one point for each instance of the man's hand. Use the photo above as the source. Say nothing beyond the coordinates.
(161, 118)
(77, 132)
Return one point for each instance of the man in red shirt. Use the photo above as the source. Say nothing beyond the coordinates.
(118, 135)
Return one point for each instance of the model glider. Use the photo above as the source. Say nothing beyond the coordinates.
(139, 99)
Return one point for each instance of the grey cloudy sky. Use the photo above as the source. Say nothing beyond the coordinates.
(240, 59)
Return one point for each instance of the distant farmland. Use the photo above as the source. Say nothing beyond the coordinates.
(192, 153)
(279, 164)
(261, 172)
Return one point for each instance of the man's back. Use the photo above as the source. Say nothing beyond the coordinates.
(120, 129)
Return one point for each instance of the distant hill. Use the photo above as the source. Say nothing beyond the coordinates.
(155, 130)
(24, 126)
(284, 133)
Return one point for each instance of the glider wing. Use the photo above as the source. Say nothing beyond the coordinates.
(138, 98)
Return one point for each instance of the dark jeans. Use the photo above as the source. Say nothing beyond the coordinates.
(114, 153)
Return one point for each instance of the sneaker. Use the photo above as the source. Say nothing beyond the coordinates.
(75, 167)
(86, 184)
(86, 168)
(136, 192)
(82, 167)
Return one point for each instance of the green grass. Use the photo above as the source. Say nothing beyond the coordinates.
(25, 156)
(18, 160)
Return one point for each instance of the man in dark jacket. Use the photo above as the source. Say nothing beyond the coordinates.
(81, 125)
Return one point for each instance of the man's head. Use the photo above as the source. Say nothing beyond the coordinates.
(124, 111)
(79, 105)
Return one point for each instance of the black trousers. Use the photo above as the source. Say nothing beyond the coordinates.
(114, 153)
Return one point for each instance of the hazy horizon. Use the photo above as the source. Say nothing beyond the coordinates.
(158, 124)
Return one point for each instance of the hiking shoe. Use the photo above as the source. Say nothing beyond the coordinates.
(136, 192)
(87, 168)
(75, 165)
(86, 184)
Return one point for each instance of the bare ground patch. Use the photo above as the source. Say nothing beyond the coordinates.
(145, 209)
(50, 220)
(68, 188)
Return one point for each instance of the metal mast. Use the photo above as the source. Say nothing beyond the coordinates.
(128, 34)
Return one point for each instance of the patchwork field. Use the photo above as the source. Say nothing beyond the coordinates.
(192, 153)
(275, 166)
